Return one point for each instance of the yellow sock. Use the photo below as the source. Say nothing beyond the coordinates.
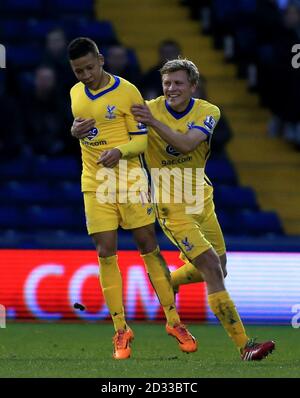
(159, 276)
(111, 282)
(224, 309)
(187, 273)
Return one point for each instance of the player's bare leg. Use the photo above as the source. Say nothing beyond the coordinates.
(188, 273)
(223, 261)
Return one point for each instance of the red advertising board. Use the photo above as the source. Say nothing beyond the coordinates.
(44, 284)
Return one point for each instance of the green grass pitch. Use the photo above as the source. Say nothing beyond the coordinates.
(84, 350)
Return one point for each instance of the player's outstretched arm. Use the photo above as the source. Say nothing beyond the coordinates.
(184, 143)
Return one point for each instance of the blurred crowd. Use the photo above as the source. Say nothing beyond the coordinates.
(278, 80)
(35, 112)
(35, 109)
(259, 35)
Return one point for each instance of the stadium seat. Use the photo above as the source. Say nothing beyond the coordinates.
(24, 56)
(227, 221)
(28, 192)
(2, 84)
(10, 239)
(38, 29)
(247, 6)
(12, 30)
(64, 167)
(11, 217)
(266, 53)
(101, 31)
(245, 39)
(62, 217)
(62, 239)
(74, 7)
(233, 198)
(259, 223)
(221, 171)
(224, 10)
(30, 8)
(16, 168)
(70, 192)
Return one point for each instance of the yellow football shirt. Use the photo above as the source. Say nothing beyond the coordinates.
(200, 115)
(110, 107)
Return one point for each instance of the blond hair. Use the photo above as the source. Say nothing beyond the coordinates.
(182, 64)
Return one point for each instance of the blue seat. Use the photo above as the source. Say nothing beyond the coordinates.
(266, 53)
(6, 196)
(2, 84)
(11, 239)
(61, 217)
(226, 221)
(29, 192)
(12, 30)
(70, 192)
(25, 81)
(64, 167)
(11, 217)
(38, 29)
(245, 38)
(101, 31)
(21, 7)
(221, 171)
(62, 239)
(25, 56)
(235, 197)
(16, 168)
(257, 223)
(229, 10)
(224, 10)
(74, 7)
(247, 6)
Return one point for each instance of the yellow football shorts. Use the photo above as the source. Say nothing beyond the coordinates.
(102, 217)
(193, 234)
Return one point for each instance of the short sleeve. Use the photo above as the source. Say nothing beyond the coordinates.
(207, 122)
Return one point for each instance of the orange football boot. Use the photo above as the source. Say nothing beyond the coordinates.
(187, 342)
(121, 342)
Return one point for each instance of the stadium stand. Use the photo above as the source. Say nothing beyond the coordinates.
(41, 203)
(256, 38)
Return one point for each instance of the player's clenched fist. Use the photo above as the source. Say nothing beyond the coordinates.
(81, 127)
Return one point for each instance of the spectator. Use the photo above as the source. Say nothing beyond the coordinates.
(285, 119)
(12, 134)
(117, 62)
(46, 116)
(151, 82)
(56, 56)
